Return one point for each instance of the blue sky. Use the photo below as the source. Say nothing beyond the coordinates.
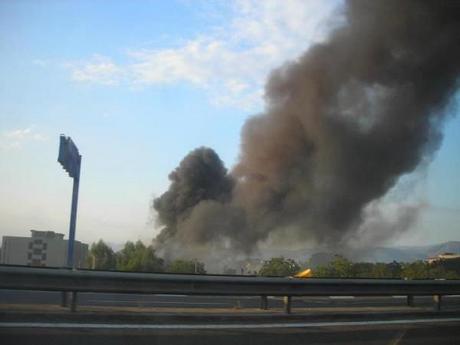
(138, 85)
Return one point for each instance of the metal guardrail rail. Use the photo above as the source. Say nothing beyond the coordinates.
(51, 279)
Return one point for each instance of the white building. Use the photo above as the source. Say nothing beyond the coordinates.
(43, 248)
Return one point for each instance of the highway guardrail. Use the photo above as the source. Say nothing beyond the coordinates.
(55, 279)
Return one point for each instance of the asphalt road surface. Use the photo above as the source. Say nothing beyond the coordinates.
(446, 332)
(182, 301)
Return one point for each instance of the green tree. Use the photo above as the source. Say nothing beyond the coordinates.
(101, 256)
(279, 267)
(423, 270)
(440, 272)
(186, 266)
(452, 265)
(395, 269)
(340, 267)
(323, 272)
(140, 258)
(415, 270)
(381, 270)
(362, 270)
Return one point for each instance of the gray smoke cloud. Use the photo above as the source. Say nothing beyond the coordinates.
(342, 123)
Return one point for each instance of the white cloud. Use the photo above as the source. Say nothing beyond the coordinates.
(14, 139)
(98, 69)
(231, 62)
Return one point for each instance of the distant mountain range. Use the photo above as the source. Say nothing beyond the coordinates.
(406, 253)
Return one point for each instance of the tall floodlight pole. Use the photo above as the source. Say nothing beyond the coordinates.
(70, 159)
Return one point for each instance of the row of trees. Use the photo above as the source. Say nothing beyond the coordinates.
(137, 257)
(341, 267)
(141, 258)
(279, 267)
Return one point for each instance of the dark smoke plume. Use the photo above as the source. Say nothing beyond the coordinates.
(342, 124)
(201, 176)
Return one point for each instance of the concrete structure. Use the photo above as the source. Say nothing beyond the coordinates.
(43, 248)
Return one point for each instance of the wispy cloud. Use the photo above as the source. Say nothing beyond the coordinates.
(40, 62)
(98, 69)
(14, 139)
(231, 62)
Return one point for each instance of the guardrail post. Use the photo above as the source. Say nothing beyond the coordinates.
(73, 304)
(287, 304)
(437, 302)
(263, 302)
(64, 299)
(410, 300)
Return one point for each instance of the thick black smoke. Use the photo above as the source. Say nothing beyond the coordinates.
(342, 124)
(201, 176)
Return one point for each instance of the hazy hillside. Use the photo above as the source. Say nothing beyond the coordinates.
(406, 253)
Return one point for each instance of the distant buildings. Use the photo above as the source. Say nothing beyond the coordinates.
(443, 257)
(247, 266)
(43, 248)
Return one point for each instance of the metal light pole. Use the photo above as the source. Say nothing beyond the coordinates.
(70, 159)
(73, 221)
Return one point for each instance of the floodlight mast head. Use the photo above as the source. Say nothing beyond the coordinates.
(69, 157)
